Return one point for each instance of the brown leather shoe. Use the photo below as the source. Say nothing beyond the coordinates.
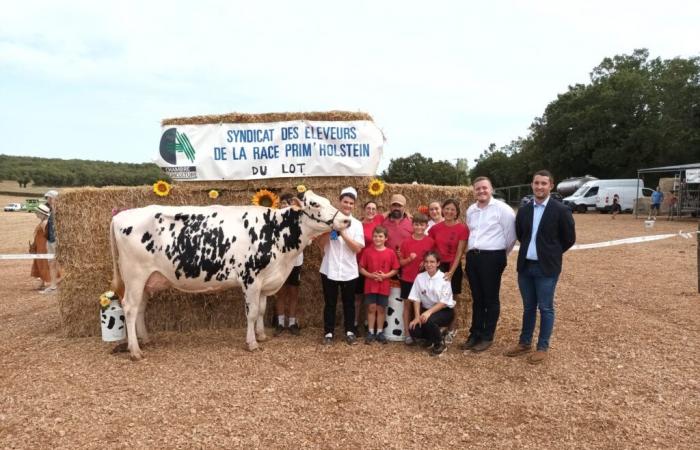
(518, 350)
(481, 346)
(538, 357)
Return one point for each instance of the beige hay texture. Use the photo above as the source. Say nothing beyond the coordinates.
(83, 218)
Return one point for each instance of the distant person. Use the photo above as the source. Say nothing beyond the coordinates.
(433, 304)
(546, 230)
(40, 267)
(656, 198)
(339, 269)
(377, 265)
(672, 205)
(616, 207)
(287, 298)
(435, 213)
(52, 242)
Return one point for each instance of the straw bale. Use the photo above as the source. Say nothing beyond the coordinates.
(83, 218)
(330, 116)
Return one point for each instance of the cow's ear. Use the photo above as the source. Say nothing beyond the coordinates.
(296, 203)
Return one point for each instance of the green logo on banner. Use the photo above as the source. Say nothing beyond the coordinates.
(183, 145)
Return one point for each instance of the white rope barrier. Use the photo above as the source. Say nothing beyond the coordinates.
(28, 256)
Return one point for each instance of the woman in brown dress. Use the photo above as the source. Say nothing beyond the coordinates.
(40, 267)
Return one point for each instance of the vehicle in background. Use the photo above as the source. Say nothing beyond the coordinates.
(13, 207)
(584, 198)
(570, 185)
(31, 204)
(626, 194)
(528, 198)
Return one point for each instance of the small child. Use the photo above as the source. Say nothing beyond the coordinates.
(433, 304)
(377, 264)
(616, 208)
(413, 250)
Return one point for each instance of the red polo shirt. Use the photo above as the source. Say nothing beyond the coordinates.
(398, 231)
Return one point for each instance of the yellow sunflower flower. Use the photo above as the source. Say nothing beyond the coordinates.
(104, 302)
(213, 194)
(162, 188)
(301, 189)
(376, 187)
(266, 198)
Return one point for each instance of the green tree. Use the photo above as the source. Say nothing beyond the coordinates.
(424, 170)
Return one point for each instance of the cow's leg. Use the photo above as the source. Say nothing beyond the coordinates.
(133, 297)
(252, 307)
(259, 323)
(141, 331)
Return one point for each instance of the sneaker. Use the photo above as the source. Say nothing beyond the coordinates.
(450, 336)
(469, 343)
(409, 341)
(438, 350)
(279, 329)
(295, 330)
(518, 350)
(48, 290)
(370, 338)
(538, 357)
(328, 339)
(482, 346)
(350, 338)
(381, 338)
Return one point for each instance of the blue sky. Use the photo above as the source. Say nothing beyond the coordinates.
(92, 80)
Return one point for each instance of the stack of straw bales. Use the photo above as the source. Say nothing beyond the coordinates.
(83, 218)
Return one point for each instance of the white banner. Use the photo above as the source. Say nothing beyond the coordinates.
(296, 148)
(692, 176)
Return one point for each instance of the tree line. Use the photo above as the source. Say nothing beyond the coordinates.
(76, 172)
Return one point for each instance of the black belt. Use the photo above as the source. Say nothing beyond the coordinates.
(477, 251)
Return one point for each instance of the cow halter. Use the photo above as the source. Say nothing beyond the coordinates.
(327, 222)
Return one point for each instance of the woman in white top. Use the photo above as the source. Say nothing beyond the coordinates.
(339, 269)
(433, 304)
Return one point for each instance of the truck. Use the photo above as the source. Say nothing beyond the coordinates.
(584, 199)
(31, 204)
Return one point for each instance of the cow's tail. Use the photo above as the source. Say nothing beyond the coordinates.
(117, 282)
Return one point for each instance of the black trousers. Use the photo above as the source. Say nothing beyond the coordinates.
(484, 270)
(330, 296)
(430, 330)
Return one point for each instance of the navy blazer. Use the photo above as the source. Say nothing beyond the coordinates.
(555, 235)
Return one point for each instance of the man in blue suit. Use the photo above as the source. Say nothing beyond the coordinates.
(545, 229)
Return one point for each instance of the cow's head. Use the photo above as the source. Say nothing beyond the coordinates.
(318, 213)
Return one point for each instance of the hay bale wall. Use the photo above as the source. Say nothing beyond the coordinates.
(83, 218)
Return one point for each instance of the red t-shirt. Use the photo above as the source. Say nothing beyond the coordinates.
(398, 232)
(447, 238)
(374, 260)
(368, 229)
(420, 248)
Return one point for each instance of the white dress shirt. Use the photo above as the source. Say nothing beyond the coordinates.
(432, 290)
(339, 262)
(491, 227)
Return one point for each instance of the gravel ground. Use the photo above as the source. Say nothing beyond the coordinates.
(622, 372)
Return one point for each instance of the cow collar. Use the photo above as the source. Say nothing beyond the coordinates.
(327, 222)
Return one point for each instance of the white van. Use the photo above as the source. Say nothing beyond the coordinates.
(584, 198)
(626, 194)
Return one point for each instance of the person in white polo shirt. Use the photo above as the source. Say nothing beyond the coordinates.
(491, 238)
(339, 269)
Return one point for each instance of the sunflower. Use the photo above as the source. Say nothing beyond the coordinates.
(162, 188)
(213, 194)
(376, 187)
(301, 189)
(104, 302)
(266, 198)
(423, 209)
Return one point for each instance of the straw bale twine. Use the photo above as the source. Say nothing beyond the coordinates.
(83, 218)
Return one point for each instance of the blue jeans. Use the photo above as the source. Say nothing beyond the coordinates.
(537, 291)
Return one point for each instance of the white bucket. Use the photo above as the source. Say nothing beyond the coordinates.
(112, 321)
(393, 324)
(649, 224)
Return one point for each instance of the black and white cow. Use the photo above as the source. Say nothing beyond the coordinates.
(207, 248)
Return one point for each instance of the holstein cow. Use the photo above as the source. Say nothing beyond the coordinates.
(207, 248)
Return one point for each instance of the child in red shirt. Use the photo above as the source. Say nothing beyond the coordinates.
(377, 264)
(413, 250)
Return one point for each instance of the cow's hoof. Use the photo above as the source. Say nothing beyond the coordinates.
(253, 347)
(262, 338)
(121, 348)
(136, 356)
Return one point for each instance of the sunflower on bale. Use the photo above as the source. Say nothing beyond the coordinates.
(213, 194)
(162, 188)
(301, 189)
(423, 209)
(106, 299)
(266, 198)
(376, 187)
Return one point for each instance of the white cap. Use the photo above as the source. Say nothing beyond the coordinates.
(51, 194)
(349, 191)
(43, 209)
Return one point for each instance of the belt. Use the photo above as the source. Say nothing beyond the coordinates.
(478, 251)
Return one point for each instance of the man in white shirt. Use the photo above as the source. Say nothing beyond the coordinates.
(491, 238)
(339, 269)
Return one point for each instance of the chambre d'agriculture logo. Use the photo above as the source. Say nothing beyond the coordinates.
(173, 142)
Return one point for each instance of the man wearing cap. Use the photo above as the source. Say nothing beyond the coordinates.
(339, 269)
(51, 241)
(397, 223)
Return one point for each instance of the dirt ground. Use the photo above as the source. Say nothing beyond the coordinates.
(622, 372)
